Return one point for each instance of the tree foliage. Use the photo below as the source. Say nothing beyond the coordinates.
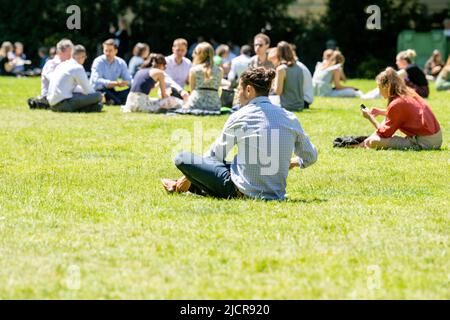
(158, 22)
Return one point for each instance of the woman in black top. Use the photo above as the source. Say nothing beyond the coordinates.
(414, 77)
(150, 74)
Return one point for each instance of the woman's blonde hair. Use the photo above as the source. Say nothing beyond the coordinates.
(204, 54)
(6, 48)
(395, 84)
(336, 58)
(407, 55)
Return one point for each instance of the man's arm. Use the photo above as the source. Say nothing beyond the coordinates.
(279, 80)
(171, 83)
(82, 80)
(305, 151)
(368, 115)
(125, 75)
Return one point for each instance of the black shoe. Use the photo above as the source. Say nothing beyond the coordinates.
(31, 103)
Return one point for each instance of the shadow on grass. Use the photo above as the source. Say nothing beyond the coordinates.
(306, 201)
(193, 196)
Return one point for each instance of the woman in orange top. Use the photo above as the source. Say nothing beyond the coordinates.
(407, 112)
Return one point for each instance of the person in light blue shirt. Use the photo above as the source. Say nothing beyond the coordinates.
(266, 136)
(141, 52)
(109, 75)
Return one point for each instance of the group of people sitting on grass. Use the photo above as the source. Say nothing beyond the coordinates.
(263, 128)
(12, 59)
(209, 76)
(260, 128)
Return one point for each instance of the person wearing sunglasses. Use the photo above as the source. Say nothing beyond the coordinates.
(261, 44)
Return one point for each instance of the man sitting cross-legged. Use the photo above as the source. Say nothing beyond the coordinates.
(265, 134)
(109, 75)
(63, 53)
(69, 89)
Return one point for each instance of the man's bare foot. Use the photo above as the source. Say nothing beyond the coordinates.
(169, 184)
(181, 185)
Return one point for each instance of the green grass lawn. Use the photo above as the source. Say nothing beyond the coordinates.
(83, 214)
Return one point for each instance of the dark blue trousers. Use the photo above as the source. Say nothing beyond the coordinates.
(117, 97)
(208, 176)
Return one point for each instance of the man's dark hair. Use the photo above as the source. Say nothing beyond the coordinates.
(259, 78)
(110, 42)
(153, 60)
(247, 50)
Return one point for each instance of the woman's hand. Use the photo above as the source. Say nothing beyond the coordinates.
(366, 113)
(184, 95)
(377, 112)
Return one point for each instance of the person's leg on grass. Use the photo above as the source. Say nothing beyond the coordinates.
(395, 142)
(97, 107)
(347, 92)
(206, 174)
(442, 84)
(122, 96)
(111, 97)
(78, 102)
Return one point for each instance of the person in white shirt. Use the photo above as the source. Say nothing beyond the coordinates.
(240, 64)
(70, 90)
(178, 65)
(63, 52)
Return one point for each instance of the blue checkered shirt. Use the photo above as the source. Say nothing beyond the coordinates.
(266, 136)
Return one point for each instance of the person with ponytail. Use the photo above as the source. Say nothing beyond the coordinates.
(414, 77)
(289, 77)
(328, 76)
(434, 65)
(150, 74)
(204, 79)
(265, 135)
(406, 112)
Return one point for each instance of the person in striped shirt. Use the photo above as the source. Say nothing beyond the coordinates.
(266, 136)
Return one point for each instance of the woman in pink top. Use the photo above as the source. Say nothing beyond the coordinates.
(406, 112)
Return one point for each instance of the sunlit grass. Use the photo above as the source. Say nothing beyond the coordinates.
(82, 192)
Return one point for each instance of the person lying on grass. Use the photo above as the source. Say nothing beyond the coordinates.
(265, 135)
(407, 112)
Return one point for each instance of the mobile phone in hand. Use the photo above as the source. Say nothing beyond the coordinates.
(363, 107)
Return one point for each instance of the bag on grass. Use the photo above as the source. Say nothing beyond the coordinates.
(342, 142)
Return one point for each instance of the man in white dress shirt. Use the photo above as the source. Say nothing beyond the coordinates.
(63, 52)
(240, 64)
(70, 90)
